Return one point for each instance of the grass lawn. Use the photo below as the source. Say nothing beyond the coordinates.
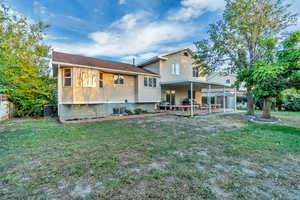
(164, 157)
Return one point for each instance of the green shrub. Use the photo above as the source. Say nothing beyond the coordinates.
(291, 102)
(129, 112)
(138, 111)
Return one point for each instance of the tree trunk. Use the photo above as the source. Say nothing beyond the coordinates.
(250, 103)
(267, 108)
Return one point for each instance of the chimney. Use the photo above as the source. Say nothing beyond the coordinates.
(133, 61)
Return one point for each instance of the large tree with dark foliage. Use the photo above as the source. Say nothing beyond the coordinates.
(275, 72)
(233, 42)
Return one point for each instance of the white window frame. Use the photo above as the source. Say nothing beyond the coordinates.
(173, 66)
(195, 72)
(177, 69)
(69, 77)
(118, 79)
(146, 81)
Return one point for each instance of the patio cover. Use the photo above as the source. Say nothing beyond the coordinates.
(200, 84)
(196, 84)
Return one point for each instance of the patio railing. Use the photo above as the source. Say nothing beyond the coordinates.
(187, 109)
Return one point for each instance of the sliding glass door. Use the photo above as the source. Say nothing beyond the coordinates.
(170, 97)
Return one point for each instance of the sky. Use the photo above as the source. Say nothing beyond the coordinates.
(121, 30)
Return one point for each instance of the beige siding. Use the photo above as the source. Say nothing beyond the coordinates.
(181, 93)
(147, 94)
(111, 93)
(154, 67)
(186, 68)
(222, 79)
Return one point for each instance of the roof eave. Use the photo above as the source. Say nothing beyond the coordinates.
(105, 69)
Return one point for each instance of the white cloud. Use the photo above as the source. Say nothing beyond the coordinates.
(134, 34)
(40, 10)
(121, 2)
(194, 8)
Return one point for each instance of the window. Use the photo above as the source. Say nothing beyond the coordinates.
(189, 94)
(228, 81)
(101, 80)
(118, 79)
(150, 82)
(154, 82)
(67, 77)
(89, 78)
(185, 54)
(195, 72)
(175, 68)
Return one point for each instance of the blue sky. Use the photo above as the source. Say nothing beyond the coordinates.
(122, 29)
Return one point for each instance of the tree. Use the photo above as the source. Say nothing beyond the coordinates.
(23, 57)
(234, 40)
(274, 72)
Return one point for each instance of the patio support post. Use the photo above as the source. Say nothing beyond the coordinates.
(224, 100)
(234, 99)
(192, 103)
(209, 98)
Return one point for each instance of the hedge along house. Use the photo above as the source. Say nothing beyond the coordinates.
(92, 88)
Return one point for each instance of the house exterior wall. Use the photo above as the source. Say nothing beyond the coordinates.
(186, 68)
(147, 94)
(153, 67)
(78, 102)
(222, 79)
(181, 93)
(84, 111)
(110, 93)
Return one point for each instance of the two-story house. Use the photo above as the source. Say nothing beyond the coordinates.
(92, 88)
(179, 77)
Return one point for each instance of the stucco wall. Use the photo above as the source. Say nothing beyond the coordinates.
(112, 93)
(153, 67)
(181, 93)
(84, 111)
(147, 94)
(186, 68)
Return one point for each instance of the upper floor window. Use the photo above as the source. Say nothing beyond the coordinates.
(118, 79)
(175, 68)
(67, 77)
(101, 80)
(146, 81)
(185, 54)
(195, 72)
(228, 81)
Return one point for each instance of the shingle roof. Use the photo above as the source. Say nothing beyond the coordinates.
(94, 62)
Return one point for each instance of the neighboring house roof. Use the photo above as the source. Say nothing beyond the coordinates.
(162, 57)
(214, 74)
(59, 57)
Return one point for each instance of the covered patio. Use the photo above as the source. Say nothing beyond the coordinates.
(195, 97)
